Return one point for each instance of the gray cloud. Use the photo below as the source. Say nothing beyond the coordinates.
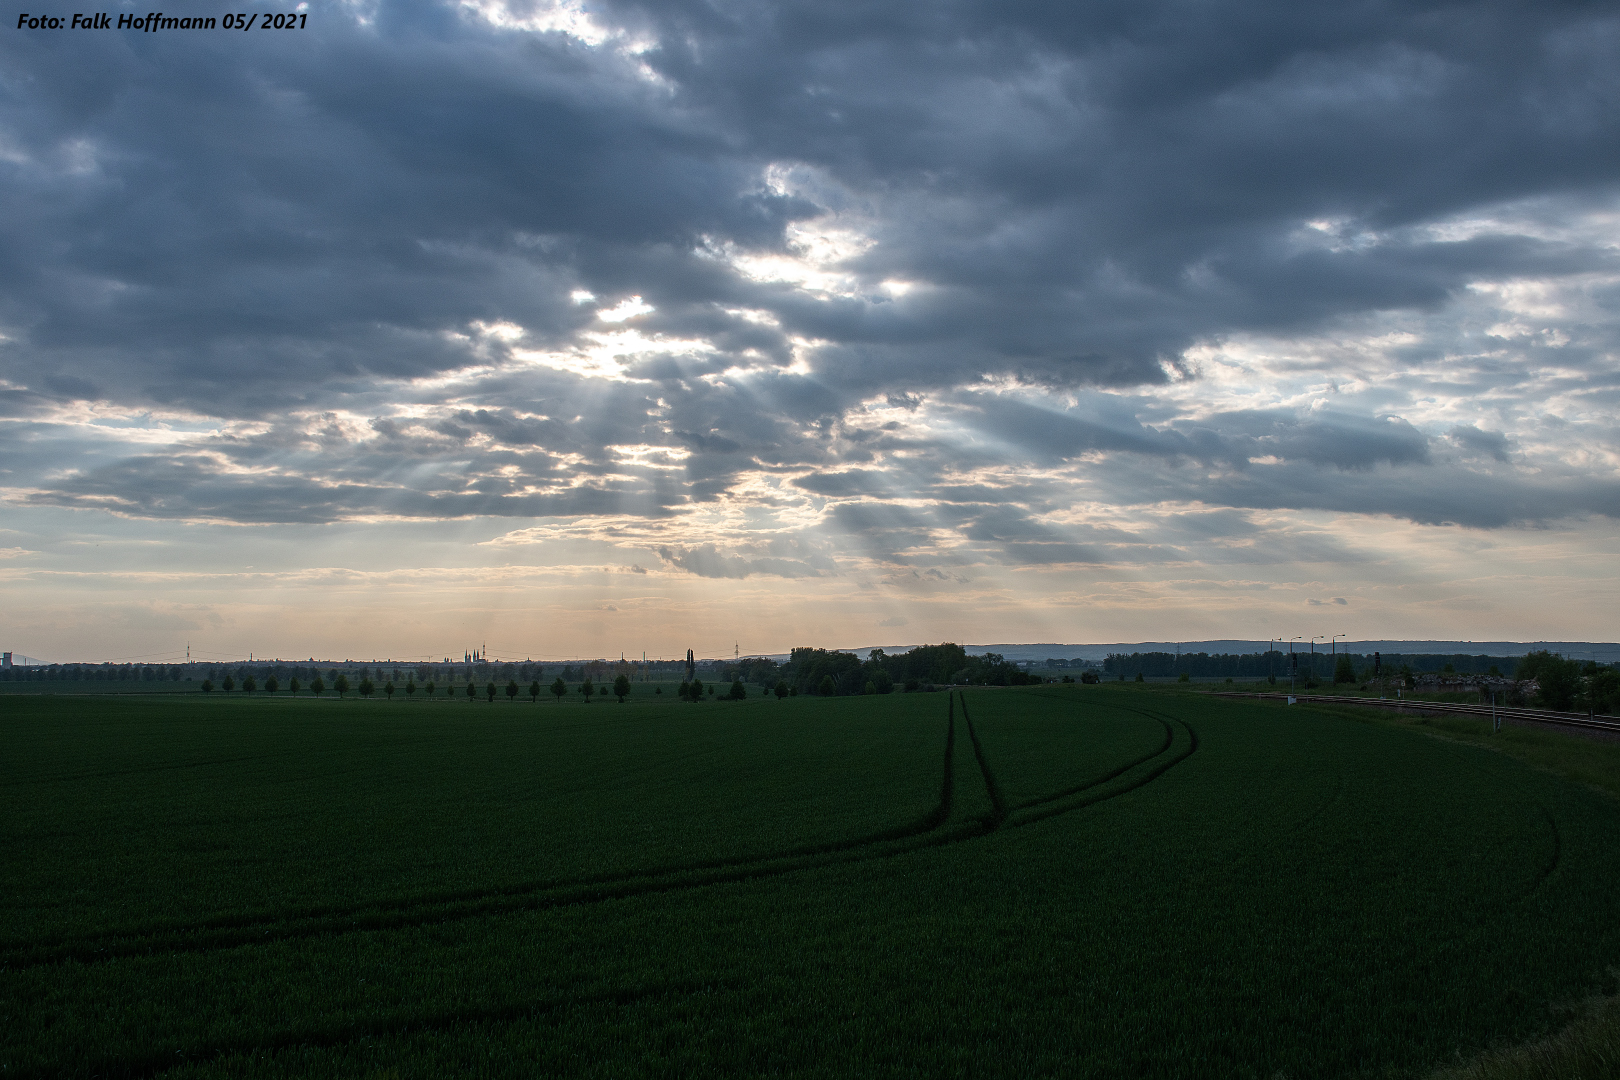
(354, 256)
(195, 487)
(1345, 442)
(285, 217)
(709, 561)
(1491, 443)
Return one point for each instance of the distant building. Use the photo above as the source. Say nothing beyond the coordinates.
(1446, 681)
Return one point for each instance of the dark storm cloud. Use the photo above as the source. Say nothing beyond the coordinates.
(1095, 186)
(284, 214)
(1089, 189)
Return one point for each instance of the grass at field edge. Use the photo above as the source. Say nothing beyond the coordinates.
(1590, 762)
(1588, 1047)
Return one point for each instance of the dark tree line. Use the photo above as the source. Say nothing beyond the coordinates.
(1278, 662)
(1567, 685)
(834, 673)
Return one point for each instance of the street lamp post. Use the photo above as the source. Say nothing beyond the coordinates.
(1335, 661)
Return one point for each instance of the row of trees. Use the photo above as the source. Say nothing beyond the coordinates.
(1566, 684)
(340, 685)
(1544, 678)
(829, 673)
(694, 691)
(95, 672)
(1279, 662)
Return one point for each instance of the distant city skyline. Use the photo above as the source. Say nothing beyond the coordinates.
(580, 330)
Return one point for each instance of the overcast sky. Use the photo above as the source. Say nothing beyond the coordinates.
(581, 329)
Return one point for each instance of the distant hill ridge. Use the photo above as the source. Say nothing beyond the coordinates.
(1601, 651)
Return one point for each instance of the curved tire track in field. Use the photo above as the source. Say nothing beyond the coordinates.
(160, 1060)
(223, 932)
(1020, 818)
(1163, 764)
(1041, 800)
(1551, 867)
(73, 778)
(397, 915)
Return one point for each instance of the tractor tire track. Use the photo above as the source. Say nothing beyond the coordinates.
(1135, 783)
(227, 932)
(1041, 800)
(1052, 805)
(422, 917)
(998, 804)
(1551, 866)
(79, 778)
(1000, 812)
(160, 1060)
(494, 903)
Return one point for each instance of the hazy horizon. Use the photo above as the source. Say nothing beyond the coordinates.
(588, 329)
(1602, 651)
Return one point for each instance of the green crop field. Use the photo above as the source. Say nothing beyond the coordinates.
(1076, 880)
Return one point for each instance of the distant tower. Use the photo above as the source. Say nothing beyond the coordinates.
(691, 666)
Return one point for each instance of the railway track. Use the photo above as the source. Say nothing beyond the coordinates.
(1501, 712)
